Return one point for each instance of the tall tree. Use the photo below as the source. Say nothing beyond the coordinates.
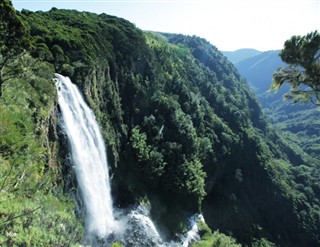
(302, 53)
(13, 38)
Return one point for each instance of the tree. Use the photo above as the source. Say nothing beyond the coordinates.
(302, 54)
(14, 39)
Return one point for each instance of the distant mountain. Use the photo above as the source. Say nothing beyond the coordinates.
(184, 134)
(241, 54)
(258, 70)
(298, 122)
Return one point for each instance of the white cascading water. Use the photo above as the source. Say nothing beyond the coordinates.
(88, 157)
(88, 154)
(193, 234)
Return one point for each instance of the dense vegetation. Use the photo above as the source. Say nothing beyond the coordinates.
(297, 123)
(183, 130)
(33, 209)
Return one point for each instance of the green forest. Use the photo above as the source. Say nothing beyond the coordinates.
(183, 130)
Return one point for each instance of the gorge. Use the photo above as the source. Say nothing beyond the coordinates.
(183, 134)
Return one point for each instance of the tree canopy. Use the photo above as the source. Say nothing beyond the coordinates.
(184, 134)
(302, 53)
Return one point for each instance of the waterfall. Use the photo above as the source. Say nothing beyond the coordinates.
(88, 157)
(132, 227)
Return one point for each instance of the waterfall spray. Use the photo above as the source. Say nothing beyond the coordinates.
(133, 227)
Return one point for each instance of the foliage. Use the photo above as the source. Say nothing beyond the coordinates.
(303, 73)
(262, 243)
(182, 127)
(33, 209)
(116, 244)
(26, 102)
(74, 40)
(151, 160)
(215, 239)
(13, 33)
(39, 220)
(13, 38)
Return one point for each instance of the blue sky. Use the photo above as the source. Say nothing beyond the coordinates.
(227, 24)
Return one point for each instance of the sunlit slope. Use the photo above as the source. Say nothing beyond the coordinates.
(183, 131)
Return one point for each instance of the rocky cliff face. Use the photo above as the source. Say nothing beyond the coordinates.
(183, 131)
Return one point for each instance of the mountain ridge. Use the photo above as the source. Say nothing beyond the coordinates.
(215, 153)
(240, 54)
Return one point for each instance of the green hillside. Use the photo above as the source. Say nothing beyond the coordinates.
(184, 134)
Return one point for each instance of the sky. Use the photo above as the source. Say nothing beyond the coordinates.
(228, 24)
